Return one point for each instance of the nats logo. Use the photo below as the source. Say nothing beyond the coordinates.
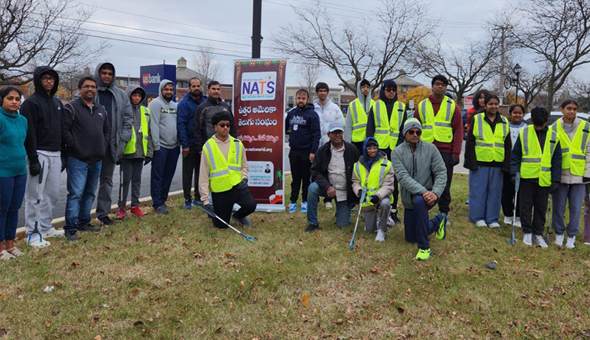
(147, 79)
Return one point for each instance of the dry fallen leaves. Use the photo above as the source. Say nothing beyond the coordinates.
(305, 300)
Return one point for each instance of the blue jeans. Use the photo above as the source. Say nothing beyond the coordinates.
(417, 227)
(82, 183)
(313, 197)
(12, 192)
(163, 169)
(485, 194)
(574, 194)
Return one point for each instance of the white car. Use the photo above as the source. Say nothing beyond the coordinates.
(555, 115)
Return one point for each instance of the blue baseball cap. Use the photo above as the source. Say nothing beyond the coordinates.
(335, 127)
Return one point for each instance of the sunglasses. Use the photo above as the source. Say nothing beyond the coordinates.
(390, 89)
(223, 125)
(417, 132)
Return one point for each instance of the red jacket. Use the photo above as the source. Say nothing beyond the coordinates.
(454, 147)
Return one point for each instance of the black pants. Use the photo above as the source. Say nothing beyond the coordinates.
(359, 146)
(301, 173)
(190, 171)
(444, 202)
(224, 203)
(131, 169)
(532, 196)
(508, 197)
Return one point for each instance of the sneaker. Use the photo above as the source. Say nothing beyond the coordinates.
(328, 205)
(197, 202)
(423, 254)
(303, 207)
(292, 207)
(161, 210)
(88, 227)
(508, 220)
(136, 211)
(165, 205)
(571, 242)
(517, 222)
(528, 239)
(481, 223)
(52, 232)
(441, 233)
(448, 222)
(393, 215)
(559, 240)
(188, 204)
(36, 241)
(105, 220)
(380, 236)
(243, 221)
(587, 243)
(71, 235)
(312, 227)
(467, 202)
(390, 222)
(538, 239)
(494, 225)
(121, 213)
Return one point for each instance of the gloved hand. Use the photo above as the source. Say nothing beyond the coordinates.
(34, 167)
(119, 161)
(147, 160)
(554, 187)
(243, 184)
(359, 193)
(374, 199)
(586, 179)
(454, 161)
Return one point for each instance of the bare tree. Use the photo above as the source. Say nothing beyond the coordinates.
(557, 33)
(371, 48)
(580, 90)
(206, 64)
(36, 33)
(309, 74)
(69, 77)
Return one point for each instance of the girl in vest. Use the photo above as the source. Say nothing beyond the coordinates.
(487, 155)
(517, 123)
(13, 168)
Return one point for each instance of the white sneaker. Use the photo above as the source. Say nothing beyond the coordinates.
(538, 239)
(380, 236)
(52, 232)
(390, 222)
(517, 222)
(35, 241)
(527, 239)
(448, 222)
(587, 243)
(328, 205)
(481, 223)
(571, 242)
(494, 225)
(559, 240)
(508, 220)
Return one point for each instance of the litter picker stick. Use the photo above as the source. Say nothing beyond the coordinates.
(549, 218)
(363, 196)
(212, 214)
(517, 186)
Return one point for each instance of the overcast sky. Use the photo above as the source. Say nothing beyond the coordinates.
(179, 27)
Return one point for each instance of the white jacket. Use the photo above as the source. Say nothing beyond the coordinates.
(329, 113)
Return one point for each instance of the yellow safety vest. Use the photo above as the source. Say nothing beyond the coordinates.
(374, 180)
(437, 127)
(359, 120)
(144, 129)
(387, 130)
(224, 173)
(489, 146)
(536, 163)
(573, 152)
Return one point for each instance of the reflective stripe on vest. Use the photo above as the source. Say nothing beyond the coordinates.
(437, 127)
(489, 146)
(374, 179)
(359, 120)
(387, 131)
(144, 129)
(573, 152)
(224, 173)
(536, 163)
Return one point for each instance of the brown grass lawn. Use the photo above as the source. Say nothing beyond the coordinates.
(177, 277)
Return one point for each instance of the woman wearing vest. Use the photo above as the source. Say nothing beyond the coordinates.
(479, 99)
(572, 134)
(516, 112)
(374, 171)
(536, 162)
(487, 155)
(138, 152)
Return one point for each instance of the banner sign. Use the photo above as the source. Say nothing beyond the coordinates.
(258, 107)
(151, 76)
(467, 102)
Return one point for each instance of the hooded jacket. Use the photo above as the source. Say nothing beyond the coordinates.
(390, 108)
(163, 120)
(386, 187)
(122, 115)
(305, 129)
(44, 114)
(187, 108)
(204, 128)
(366, 102)
(137, 125)
(329, 113)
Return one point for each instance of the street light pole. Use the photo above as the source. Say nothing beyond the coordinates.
(517, 70)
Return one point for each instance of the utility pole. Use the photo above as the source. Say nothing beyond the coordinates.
(256, 29)
(503, 29)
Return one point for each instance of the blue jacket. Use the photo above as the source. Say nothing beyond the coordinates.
(185, 119)
(305, 128)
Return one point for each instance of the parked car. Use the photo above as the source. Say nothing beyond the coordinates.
(555, 115)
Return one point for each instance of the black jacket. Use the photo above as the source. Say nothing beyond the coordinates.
(389, 105)
(471, 161)
(203, 128)
(44, 115)
(319, 168)
(86, 131)
(305, 128)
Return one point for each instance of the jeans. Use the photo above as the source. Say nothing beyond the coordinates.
(485, 194)
(313, 197)
(574, 195)
(416, 224)
(82, 183)
(163, 169)
(12, 192)
(190, 172)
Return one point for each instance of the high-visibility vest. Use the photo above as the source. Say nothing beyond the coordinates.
(374, 180)
(536, 162)
(144, 129)
(387, 130)
(573, 152)
(489, 146)
(224, 173)
(437, 127)
(359, 120)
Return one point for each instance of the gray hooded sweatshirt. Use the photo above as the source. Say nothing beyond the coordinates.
(121, 117)
(163, 120)
(366, 102)
(137, 125)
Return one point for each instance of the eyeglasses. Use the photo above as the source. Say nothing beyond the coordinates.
(92, 87)
(47, 79)
(417, 132)
(439, 84)
(223, 125)
(390, 89)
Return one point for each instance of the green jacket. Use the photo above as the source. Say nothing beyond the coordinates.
(418, 171)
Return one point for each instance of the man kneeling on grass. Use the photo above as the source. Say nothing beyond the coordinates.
(422, 175)
(224, 168)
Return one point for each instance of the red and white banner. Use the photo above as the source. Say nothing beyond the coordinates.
(258, 106)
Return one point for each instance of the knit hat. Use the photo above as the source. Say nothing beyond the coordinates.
(371, 141)
(411, 123)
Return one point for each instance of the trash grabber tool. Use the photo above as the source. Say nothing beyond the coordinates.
(212, 214)
(548, 219)
(363, 196)
(516, 187)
